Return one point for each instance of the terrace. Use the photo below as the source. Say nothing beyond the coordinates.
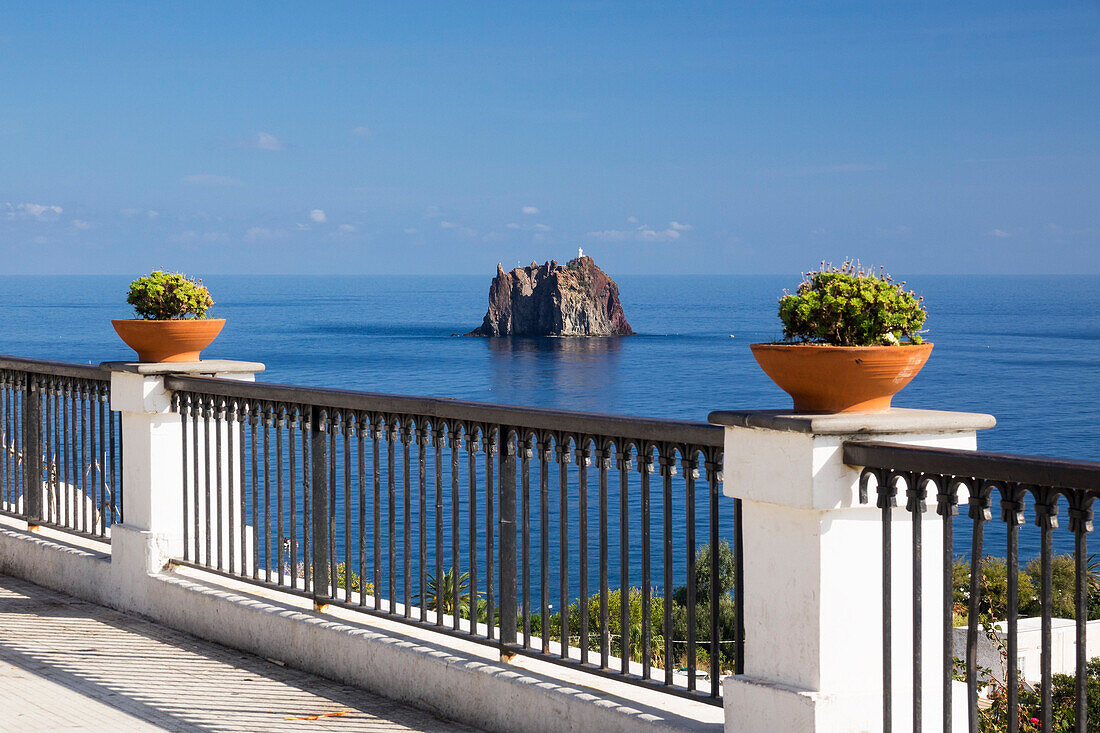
(423, 550)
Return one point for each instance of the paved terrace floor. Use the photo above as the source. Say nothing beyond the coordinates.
(69, 665)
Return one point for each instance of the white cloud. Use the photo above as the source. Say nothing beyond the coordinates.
(530, 210)
(255, 234)
(825, 169)
(412, 230)
(190, 235)
(209, 179)
(632, 219)
(346, 228)
(361, 131)
(542, 228)
(83, 225)
(642, 233)
(457, 228)
(139, 212)
(999, 233)
(39, 212)
(267, 141)
(318, 215)
(901, 230)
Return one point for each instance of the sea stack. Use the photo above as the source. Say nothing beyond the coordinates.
(576, 299)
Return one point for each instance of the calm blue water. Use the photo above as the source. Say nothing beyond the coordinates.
(1026, 349)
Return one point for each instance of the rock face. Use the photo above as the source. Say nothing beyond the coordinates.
(577, 299)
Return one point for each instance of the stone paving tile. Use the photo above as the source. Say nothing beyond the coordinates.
(68, 665)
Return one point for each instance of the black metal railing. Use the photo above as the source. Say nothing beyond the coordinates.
(476, 520)
(1033, 485)
(60, 447)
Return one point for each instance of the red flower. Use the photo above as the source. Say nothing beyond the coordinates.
(1035, 721)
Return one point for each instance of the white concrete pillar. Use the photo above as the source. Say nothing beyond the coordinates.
(813, 572)
(152, 460)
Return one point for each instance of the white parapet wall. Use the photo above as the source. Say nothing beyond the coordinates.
(814, 567)
(459, 679)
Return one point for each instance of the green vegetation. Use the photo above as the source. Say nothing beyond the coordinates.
(168, 296)
(851, 306)
(993, 598)
(674, 650)
(993, 607)
(994, 717)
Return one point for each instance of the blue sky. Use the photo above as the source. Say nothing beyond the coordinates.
(445, 137)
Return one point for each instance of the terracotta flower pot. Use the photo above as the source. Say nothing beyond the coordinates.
(824, 378)
(159, 341)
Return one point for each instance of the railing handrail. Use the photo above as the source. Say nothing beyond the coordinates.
(54, 368)
(996, 467)
(535, 418)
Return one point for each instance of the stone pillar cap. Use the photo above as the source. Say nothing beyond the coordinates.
(895, 420)
(205, 367)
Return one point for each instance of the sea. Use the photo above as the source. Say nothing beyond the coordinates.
(1025, 349)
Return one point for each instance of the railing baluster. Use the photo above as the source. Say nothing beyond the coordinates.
(349, 429)
(668, 470)
(362, 428)
(334, 424)
(622, 457)
(438, 428)
(183, 405)
(242, 481)
(455, 445)
(86, 498)
(645, 468)
(1012, 514)
(219, 418)
(422, 436)
(527, 451)
(253, 422)
(916, 494)
(376, 508)
(292, 498)
(489, 445)
(391, 505)
(471, 512)
(207, 407)
(689, 463)
(562, 447)
(55, 463)
(318, 454)
(508, 446)
(545, 455)
(74, 456)
(406, 438)
(603, 458)
(306, 415)
(887, 491)
(979, 513)
(280, 424)
(712, 466)
(231, 416)
(269, 421)
(1046, 516)
(1080, 523)
(947, 506)
(583, 455)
